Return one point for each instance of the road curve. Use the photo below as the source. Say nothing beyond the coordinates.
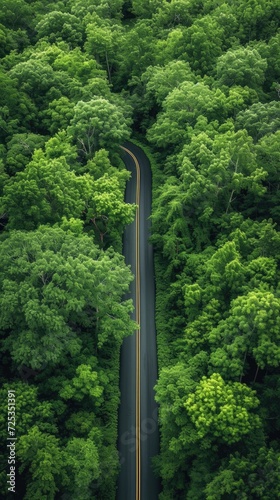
(138, 438)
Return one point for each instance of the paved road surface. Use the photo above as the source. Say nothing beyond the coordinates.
(149, 436)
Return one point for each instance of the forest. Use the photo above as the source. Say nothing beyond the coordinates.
(197, 84)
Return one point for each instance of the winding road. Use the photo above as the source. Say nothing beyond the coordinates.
(138, 429)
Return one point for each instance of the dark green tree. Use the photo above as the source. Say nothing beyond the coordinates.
(53, 284)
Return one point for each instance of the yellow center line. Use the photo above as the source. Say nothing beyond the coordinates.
(137, 314)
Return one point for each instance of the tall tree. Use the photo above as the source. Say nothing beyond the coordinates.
(44, 192)
(41, 454)
(241, 66)
(97, 124)
(181, 109)
(57, 25)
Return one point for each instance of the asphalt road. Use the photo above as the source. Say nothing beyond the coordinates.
(148, 433)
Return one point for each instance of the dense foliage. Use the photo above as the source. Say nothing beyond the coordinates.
(206, 96)
(200, 82)
(63, 315)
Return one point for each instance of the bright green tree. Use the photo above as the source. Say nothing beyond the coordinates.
(40, 453)
(136, 52)
(103, 8)
(204, 43)
(106, 209)
(252, 329)
(82, 465)
(35, 78)
(145, 8)
(181, 109)
(172, 46)
(161, 80)
(102, 42)
(44, 192)
(268, 157)
(241, 66)
(59, 114)
(86, 384)
(57, 25)
(97, 124)
(177, 433)
(222, 410)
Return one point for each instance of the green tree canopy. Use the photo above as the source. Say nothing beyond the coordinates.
(161, 80)
(16, 14)
(44, 192)
(204, 43)
(29, 410)
(102, 41)
(252, 329)
(222, 410)
(57, 25)
(41, 454)
(20, 150)
(53, 284)
(97, 124)
(181, 109)
(82, 465)
(102, 8)
(252, 476)
(86, 384)
(260, 119)
(241, 66)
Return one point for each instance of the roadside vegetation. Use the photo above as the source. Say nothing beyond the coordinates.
(62, 276)
(206, 89)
